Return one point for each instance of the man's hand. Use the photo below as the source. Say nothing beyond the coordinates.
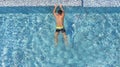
(55, 5)
(60, 5)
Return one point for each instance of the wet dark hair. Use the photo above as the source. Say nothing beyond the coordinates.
(60, 11)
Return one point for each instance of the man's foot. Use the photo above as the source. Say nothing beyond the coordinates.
(66, 43)
(56, 44)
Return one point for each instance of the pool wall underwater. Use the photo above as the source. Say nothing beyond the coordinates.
(27, 37)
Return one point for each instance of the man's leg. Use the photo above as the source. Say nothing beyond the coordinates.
(65, 38)
(56, 38)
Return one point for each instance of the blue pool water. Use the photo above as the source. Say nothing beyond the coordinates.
(27, 37)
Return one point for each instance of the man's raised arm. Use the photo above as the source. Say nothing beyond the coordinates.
(54, 10)
(61, 7)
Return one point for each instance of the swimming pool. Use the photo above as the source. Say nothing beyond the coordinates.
(27, 37)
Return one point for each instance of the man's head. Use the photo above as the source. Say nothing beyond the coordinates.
(60, 12)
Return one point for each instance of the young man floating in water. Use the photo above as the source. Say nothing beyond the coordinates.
(59, 24)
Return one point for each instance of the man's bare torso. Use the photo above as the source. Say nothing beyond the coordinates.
(59, 20)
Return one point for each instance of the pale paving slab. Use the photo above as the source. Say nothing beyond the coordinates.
(101, 3)
(39, 2)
